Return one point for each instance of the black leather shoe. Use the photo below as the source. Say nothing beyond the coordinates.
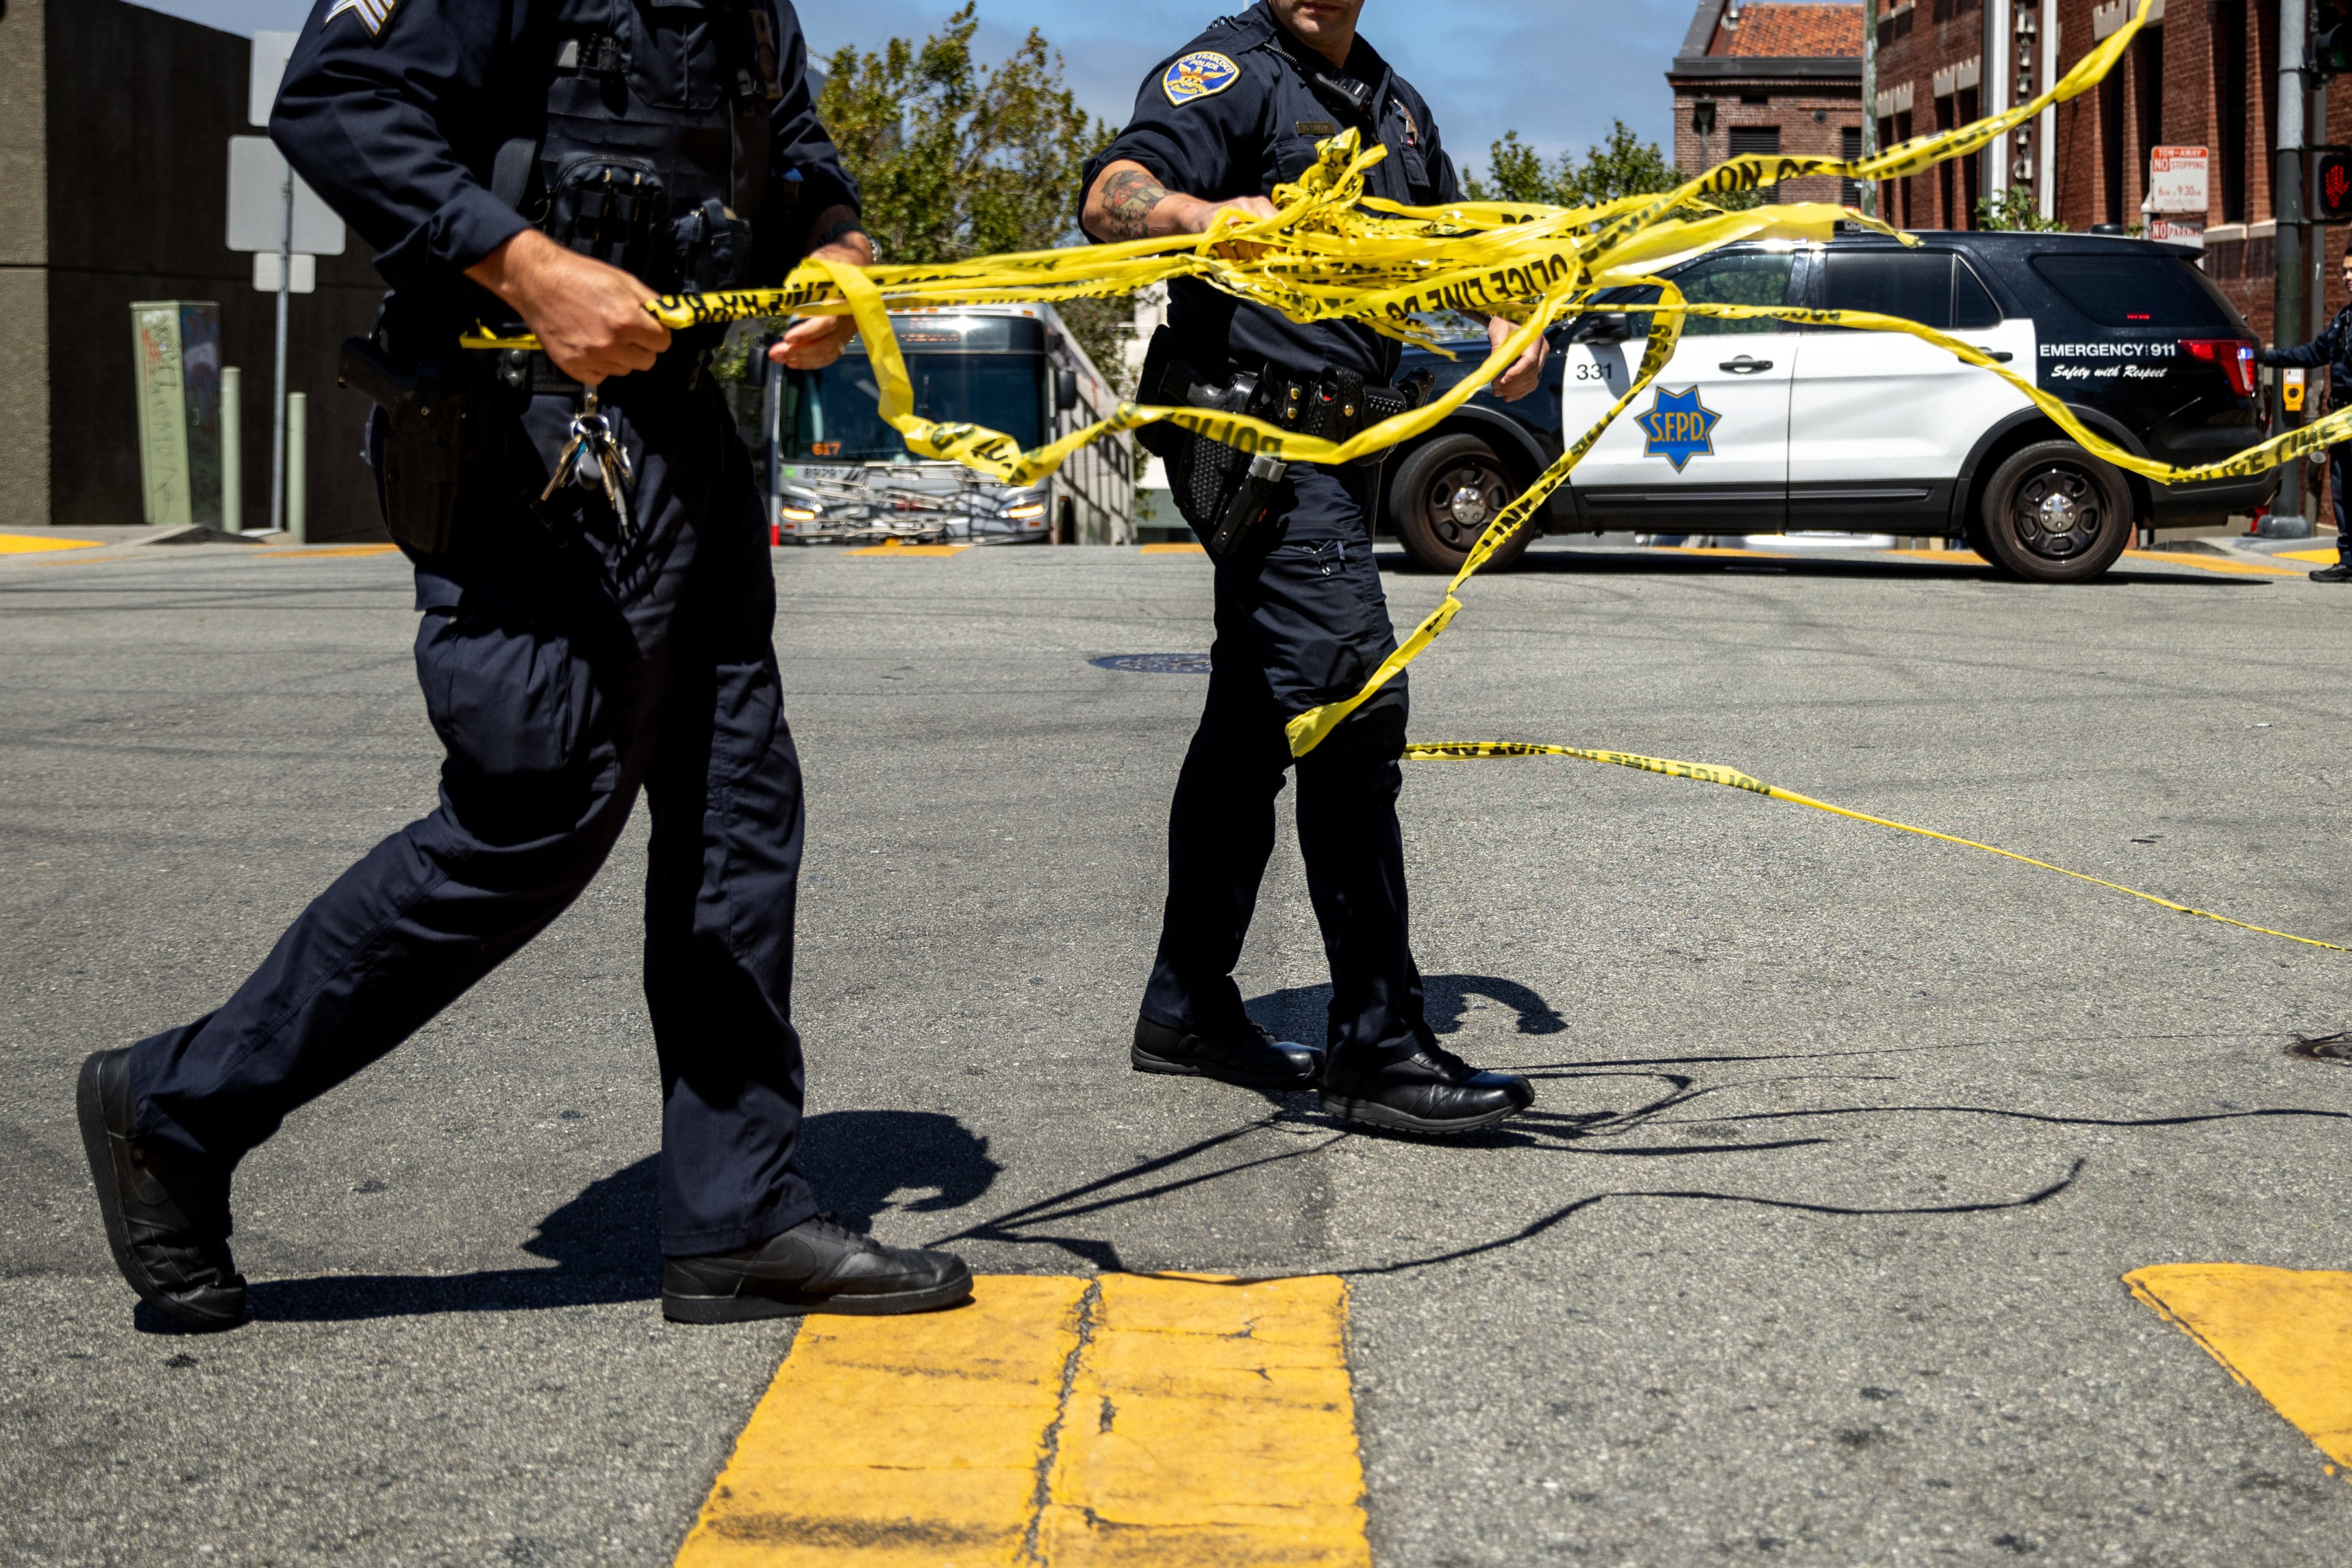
(815, 1266)
(2339, 573)
(1251, 1057)
(166, 1213)
(1432, 1090)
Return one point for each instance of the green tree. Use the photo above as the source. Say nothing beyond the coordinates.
(958, 159)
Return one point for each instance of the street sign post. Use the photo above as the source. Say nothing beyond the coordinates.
(2176, 179)
(274, 215)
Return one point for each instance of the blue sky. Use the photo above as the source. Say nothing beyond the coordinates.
(1556, 71)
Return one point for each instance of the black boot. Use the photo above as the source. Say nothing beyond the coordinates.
(815, 1266)
(1250, 1055)
(2339, 573)
(166, 1213)
(1432, 1090)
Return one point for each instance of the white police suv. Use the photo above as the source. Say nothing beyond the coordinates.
(1766, 426)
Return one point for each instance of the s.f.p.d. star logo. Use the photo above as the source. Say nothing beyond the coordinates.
(1198, 75)
(1680, 426)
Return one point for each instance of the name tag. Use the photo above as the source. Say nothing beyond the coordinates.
(1317, 128)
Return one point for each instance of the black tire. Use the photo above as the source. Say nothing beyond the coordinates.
(2053, 513)
(1446, 493)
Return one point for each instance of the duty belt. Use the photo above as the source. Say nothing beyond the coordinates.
(1233, 496)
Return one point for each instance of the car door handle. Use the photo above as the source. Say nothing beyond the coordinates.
(1999, 356)
(1743, 365)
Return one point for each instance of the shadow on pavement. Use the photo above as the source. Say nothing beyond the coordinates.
(603, 1244)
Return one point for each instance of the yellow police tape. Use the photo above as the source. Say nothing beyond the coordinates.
(1732, 778)
(1330, 253)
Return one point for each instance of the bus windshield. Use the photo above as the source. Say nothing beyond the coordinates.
(830, 415)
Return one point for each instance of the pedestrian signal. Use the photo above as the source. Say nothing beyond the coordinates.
(2331, 39)
(2331, 184)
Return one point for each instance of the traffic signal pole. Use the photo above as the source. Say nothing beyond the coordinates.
(1869, 188)
(2288, 516)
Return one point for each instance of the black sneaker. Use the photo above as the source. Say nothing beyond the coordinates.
(1432, 1090)
(166, 1213)
(1250, 1057)
(2339, 573)
(815, 1266)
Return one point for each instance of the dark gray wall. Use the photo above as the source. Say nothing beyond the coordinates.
(140, 107)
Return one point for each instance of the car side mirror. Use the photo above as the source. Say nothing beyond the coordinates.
(1601, 327)
(1065, 391)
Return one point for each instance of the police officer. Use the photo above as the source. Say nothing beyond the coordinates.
(550, 165)
(2332, 348)
(1300, 617)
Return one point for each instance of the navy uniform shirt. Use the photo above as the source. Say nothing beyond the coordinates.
(394, 112)
(1235, 112)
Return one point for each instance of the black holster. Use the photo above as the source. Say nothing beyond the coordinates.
(437, 414)
(1228, 492)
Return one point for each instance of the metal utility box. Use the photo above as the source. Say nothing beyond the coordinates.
(178, 348)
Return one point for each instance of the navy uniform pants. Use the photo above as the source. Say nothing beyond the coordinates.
(1301, 625)
(2340, 457)
(564, 675)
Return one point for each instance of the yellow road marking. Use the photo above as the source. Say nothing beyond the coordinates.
(1709, 550)
(1952, 557)
(313, 553)
(1058, 1423)
(896, 547)
(30, 544)
(2328, 557)
(2211, 563)
(1172, 550)
(2285, 1332)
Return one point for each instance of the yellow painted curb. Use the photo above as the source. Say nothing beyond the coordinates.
(33, 543)
(1172, 549)
(320, 551)
(2286, 1333)
(2328, 557)
(2211, 563)
(894, 547)
(1065, 1423)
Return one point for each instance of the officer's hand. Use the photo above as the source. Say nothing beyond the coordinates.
(1525, 373)
(1202, 217)
(590, 318)
(813, 343)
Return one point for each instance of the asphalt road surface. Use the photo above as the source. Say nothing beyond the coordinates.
(1810, 1252)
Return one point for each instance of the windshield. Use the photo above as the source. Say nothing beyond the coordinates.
(830, 414)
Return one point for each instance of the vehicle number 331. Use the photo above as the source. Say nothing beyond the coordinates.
(1593, 370)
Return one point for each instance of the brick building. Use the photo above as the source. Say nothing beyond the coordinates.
(1772, 78)
(2205, 76)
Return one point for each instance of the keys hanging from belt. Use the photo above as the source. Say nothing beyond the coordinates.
(591, 456)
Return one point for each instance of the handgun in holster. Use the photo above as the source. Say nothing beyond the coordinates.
(431, 411)
(1229, 497)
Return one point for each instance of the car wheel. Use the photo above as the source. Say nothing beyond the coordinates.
(2053, 513)
(1445, 494)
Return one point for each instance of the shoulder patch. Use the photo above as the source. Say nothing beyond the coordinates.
(1201, 74)
(372, 14)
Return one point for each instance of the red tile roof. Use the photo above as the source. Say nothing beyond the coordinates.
(1784, 32)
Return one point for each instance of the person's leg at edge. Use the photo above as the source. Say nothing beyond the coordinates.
(2340, 457)
(741, 1238)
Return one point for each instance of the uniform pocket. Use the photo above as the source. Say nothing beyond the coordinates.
(674, 56)
(1320, 632)
(510, 702)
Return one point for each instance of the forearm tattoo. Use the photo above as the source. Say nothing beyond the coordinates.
(1129, 198)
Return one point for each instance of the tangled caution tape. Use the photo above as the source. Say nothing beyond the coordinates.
(1331, 253)
(1732, 778)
